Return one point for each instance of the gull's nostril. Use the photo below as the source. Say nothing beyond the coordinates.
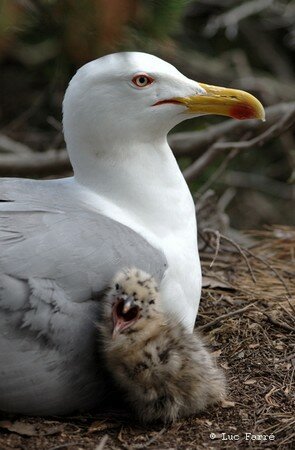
(201, 91)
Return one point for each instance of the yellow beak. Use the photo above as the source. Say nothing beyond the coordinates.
(225, 102)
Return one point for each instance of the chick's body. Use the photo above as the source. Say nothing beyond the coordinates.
(163, 371)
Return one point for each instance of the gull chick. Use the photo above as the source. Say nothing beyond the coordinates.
(163, 371)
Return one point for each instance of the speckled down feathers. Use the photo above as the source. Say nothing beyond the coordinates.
(164, 372)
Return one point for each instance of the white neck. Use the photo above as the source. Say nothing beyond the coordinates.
(143, 188)
(142, 179)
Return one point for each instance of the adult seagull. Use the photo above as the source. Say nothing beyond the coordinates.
(62, 241)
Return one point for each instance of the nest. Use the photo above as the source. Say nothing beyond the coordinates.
(247, 314)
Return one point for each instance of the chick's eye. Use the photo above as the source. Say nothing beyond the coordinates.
(142, 80)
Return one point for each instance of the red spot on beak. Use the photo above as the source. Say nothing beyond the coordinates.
(242, 111)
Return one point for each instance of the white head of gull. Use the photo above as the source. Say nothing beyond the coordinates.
(128, 205)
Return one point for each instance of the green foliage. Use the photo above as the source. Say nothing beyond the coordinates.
(162, 18)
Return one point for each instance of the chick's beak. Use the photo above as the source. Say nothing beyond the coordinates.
(223, 101)
(128, 304)
(125, 312)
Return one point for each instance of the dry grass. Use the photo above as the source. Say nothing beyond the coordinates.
(256, 348)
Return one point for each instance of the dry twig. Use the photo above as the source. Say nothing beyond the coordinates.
(230, 19)
(218, 172)
(102, 443)
(279, 323)
(225, 316)
(195, 169)
(237, 246)
(195, 143)
(270, 267)
(68, 444)
(257, 182)
(52, 162)
(147, 443)
(217, 235)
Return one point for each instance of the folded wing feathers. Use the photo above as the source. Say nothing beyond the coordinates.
(56, 257)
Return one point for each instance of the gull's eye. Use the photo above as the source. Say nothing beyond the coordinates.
(142, 80)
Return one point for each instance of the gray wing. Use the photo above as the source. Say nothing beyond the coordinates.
(56, 257)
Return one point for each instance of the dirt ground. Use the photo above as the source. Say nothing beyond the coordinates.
(247, 314)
